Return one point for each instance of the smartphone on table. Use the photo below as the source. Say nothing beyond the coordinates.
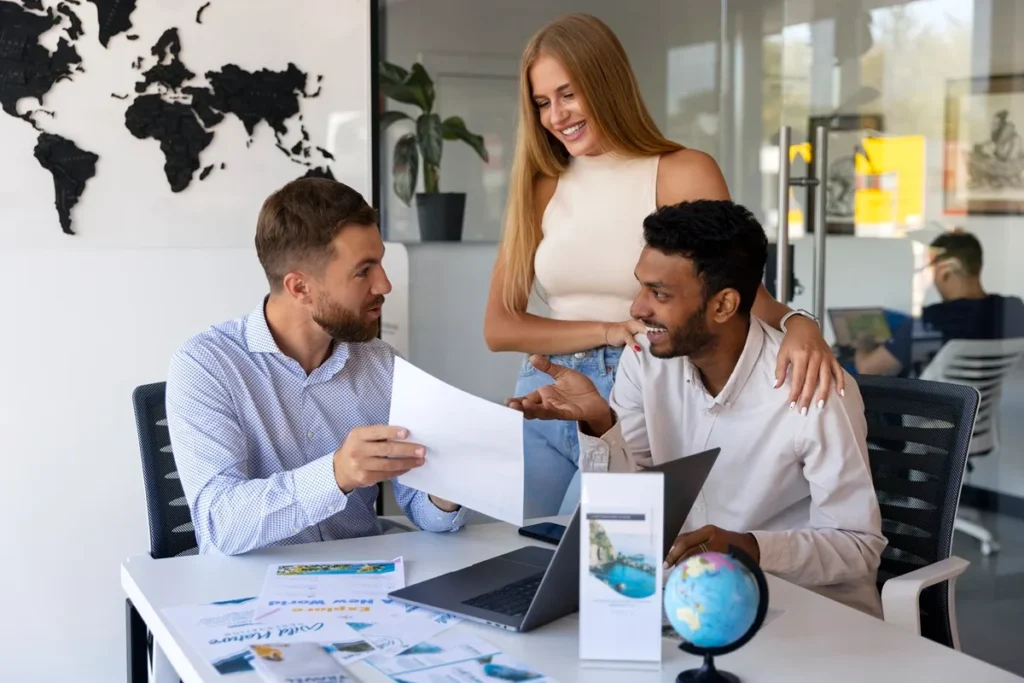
(549, 532)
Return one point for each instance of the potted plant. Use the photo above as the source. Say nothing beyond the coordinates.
(440, 213)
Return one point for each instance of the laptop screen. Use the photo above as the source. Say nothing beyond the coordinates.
(850, 324)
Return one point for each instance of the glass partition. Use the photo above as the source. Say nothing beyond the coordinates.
(920, 103)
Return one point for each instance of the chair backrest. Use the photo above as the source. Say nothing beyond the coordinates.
(982, 364)
(919, 434)
(170, 524)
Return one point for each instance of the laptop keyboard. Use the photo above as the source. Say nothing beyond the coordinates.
(512, 600)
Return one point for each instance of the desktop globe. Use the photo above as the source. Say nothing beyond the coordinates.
(711, 600)
(716, 603)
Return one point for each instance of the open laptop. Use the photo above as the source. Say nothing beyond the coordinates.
(848, 324)
(534, 586)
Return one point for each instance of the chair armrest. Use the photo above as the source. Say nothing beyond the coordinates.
(901, 594)
(395, 523)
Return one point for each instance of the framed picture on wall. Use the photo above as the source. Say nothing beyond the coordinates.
(845, 140)
(983, 170)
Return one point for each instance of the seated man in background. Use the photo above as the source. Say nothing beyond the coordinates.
(965, 312)
(278, 419)
(791, 488)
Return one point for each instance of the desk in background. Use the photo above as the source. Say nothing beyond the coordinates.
(814, 639)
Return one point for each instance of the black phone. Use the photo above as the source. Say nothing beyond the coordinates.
(549, 532)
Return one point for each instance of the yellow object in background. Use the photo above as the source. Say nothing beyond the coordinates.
(890, 182)
(803, 149)
(795, 218)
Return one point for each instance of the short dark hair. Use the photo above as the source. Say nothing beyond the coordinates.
(962, 246)
(724, 240)
(298, 222)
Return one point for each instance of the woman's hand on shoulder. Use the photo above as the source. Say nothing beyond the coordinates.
(688, 174)
(816, 371)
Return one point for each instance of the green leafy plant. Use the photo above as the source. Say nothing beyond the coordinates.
(416, 88)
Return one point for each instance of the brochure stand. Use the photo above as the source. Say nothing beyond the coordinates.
(621, 556)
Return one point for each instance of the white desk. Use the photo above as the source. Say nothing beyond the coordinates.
(814, 639)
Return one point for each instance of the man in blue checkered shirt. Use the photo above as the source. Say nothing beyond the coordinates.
(278, 419)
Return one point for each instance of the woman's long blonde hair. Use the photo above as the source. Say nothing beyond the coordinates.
(602, 76)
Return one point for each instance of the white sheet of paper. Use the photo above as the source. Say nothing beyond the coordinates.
(297, 663)
(378, 625)
(405, 628)
(367, 610)
(446, 649)
(474, 447)
(222, 632)
(388, 624)
(456, 657)
(320, 584)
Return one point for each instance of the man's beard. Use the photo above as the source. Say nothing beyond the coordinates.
(344, 325)
(689, 339)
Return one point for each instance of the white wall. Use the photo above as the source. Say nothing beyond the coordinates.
(852, 265)
(446, 304)
(87, 326)
(89, 317)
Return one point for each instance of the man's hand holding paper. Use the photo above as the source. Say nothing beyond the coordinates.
(374, 454)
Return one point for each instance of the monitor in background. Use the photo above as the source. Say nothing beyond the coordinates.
(850, 324)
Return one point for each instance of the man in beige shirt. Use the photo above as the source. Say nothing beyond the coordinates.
(791, 488)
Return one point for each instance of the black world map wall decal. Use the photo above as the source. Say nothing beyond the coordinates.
(171, 105)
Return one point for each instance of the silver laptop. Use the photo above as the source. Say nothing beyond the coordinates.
(534, 586)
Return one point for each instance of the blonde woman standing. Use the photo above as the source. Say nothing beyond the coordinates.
(589, 165)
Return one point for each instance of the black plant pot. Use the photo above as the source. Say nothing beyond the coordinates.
(440, 215)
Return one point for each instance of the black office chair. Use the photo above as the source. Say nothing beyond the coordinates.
(171, 532)
(919, 434)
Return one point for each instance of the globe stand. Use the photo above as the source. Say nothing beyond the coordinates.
(707, 673)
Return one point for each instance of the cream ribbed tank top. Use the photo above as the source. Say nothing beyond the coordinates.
(593, 235)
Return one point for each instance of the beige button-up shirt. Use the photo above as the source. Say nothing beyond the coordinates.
(800, 483)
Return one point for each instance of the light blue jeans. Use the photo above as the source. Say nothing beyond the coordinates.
(551, 448)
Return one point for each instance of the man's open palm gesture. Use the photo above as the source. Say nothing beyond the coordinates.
(572, 397)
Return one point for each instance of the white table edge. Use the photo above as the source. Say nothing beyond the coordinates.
(156, 625)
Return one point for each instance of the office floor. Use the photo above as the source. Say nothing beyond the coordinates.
(990, 595)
